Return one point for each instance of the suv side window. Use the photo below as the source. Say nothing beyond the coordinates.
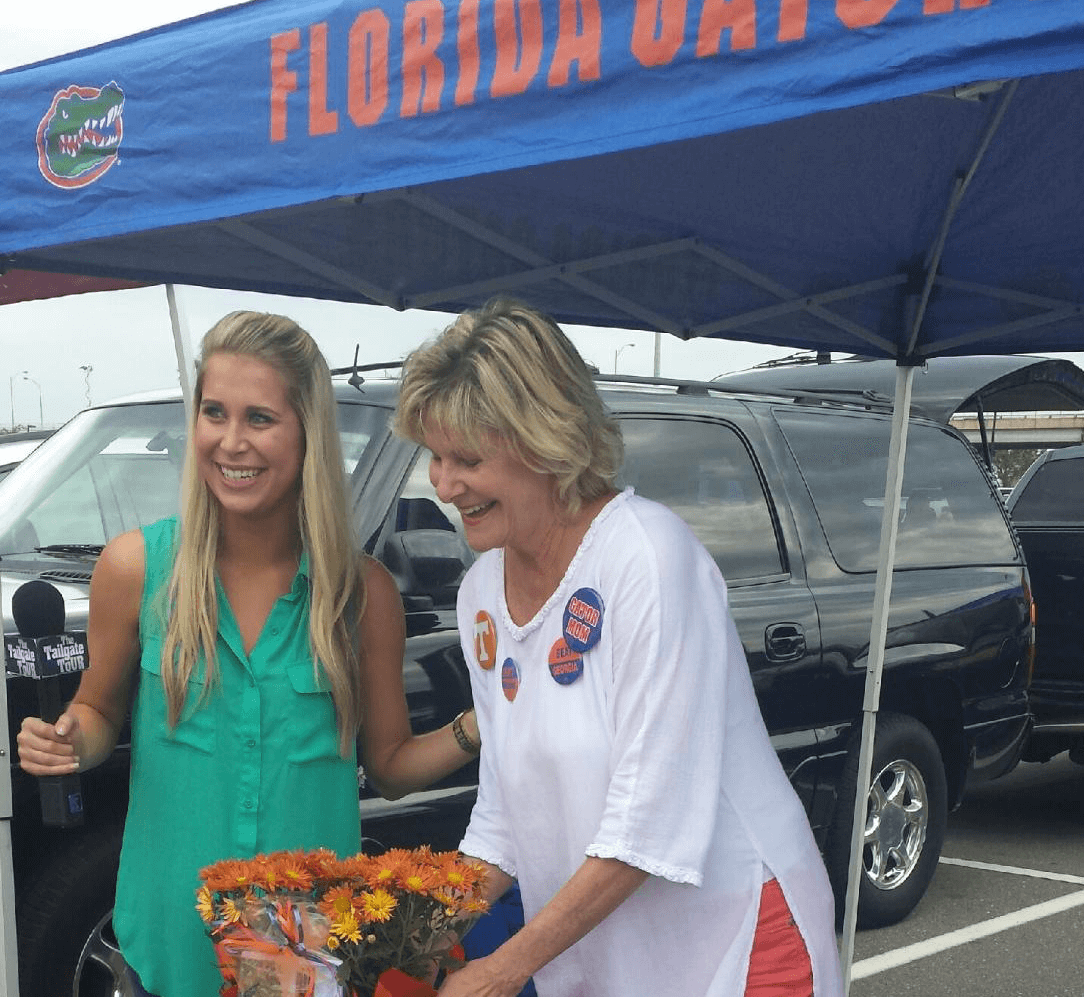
(949, 514)
(1054, 493)
(704, 473)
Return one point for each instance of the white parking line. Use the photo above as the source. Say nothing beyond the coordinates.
(983, 929)
(1057, 877)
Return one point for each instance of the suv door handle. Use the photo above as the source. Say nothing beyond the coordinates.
(784, 641)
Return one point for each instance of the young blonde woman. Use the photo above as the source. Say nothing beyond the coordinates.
(627, 779)
(251, 642)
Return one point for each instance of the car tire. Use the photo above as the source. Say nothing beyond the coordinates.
(58, 912)
(906, 812)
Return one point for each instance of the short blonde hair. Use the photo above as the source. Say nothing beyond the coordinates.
(508, 370)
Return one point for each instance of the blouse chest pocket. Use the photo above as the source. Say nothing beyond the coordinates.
(198, 726)
(311, 724)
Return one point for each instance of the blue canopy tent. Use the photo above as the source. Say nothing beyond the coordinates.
(896, 178)
(782, 175)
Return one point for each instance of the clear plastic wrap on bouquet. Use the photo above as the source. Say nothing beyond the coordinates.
(277, 949)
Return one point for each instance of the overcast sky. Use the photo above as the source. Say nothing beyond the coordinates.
(125, 336)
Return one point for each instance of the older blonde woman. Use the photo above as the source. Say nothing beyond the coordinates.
(252, 642)
(627, 779)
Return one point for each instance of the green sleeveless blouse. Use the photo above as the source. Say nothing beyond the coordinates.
(252, 769)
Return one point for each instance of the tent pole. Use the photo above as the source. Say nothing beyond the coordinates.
(886, 559)
(182, 343)
(9, 964)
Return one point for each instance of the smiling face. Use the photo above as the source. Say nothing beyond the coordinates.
(249, 441)
(503, 502)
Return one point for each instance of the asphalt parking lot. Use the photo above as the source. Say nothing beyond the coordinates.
(1004, 916)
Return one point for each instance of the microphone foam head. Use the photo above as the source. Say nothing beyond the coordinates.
(38, 609)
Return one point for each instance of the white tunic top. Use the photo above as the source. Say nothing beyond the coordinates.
(655, 753)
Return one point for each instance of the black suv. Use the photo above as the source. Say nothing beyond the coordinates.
(785, 491)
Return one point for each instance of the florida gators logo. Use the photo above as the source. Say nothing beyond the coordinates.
(79, 137)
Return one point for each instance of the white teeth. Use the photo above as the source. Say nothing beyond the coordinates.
(235, 475)
(476, 509)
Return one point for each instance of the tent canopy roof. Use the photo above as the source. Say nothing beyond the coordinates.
(836, 181)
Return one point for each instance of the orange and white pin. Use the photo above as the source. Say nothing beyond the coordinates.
(485, 640)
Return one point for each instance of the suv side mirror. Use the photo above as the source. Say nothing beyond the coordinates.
(426, 563)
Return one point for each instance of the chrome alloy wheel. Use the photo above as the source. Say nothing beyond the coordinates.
(897, 812)
(101, 949)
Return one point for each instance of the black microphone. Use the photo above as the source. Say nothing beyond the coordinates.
(44, 652)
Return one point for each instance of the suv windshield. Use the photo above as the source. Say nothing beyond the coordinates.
(116, 468)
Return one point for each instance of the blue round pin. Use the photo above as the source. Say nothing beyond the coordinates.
(509, 679)
(566, 665)
(582, 620)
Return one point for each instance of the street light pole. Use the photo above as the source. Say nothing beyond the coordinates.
(41, 407)
(618, 353)
(87, 370)
(11, 391)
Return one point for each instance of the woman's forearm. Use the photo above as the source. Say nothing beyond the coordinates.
(593, 892)
(422, 759)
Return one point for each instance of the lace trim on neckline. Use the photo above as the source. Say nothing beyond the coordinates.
(517, 632)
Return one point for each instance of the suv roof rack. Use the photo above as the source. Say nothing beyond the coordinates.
(684, 387)
(864, 397)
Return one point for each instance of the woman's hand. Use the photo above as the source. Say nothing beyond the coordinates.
(49, 749)
(481, 978)
(86, 732)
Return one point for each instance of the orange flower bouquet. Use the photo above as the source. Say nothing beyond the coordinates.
(307, 924)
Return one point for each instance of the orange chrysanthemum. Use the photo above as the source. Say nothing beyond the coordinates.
(323, 864)
(264, 872)
(384, 871)
(230, 874)
(336, 902)
(294, 872)
(455, 876)
(416, 879)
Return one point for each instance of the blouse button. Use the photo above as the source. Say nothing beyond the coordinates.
(274, 631)
(250, 743)
(248, 804)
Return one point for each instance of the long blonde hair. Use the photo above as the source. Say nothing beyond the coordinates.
(337, 587)
(508, 369)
